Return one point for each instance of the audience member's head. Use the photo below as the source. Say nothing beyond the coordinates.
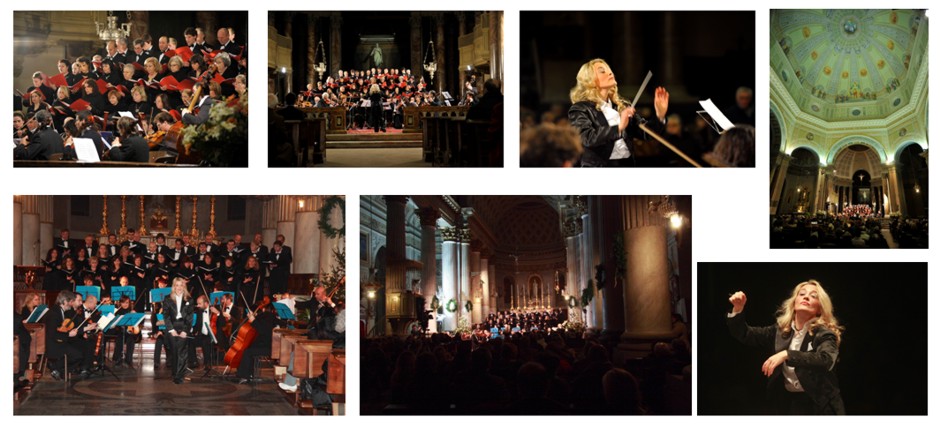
(548, 145)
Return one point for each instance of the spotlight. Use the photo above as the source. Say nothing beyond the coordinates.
(675, 221)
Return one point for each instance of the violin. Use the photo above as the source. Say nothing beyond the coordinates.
(154, 139)
(68, 325)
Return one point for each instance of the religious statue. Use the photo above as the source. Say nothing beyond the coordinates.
(376, 55)
(158, 220)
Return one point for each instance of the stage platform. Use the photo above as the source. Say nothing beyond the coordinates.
(367, 139)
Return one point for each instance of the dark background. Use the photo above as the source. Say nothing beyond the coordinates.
(715, 51)
(882, 365)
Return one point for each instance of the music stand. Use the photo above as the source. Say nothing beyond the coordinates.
(101, 364)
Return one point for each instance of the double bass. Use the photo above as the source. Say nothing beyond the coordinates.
(245, 336)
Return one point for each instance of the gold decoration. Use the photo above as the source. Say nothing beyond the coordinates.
(195, 232)
(104, 217)
(123, 230)
(177, 232)
(143, 217)
(211, 233)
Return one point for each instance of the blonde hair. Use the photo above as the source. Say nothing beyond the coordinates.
(27, 299)
(182, 284)
(586, 88)
(825, 318)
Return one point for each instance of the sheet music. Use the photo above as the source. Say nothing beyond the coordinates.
(720, 119)
(85, 150)
(126, 114)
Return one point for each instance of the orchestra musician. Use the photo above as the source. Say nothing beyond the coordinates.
(204, 105)
(59, 328)
(129, 145)
(125, 339)
(263, 322)
(178, 314)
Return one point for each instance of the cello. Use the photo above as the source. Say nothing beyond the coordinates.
(246, 334)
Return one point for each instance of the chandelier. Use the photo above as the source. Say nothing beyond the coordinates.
(666, 208)
(430, 66)
(111, 30)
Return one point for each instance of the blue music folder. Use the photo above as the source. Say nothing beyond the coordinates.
(215, 297)
(129, 320)
(106, 309)
(283, 312)
(158, 294)
(117, 292)
(86, 291)
(37, 313)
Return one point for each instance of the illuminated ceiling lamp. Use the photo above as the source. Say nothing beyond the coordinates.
(430, 66)
(667, 209)
(111, 30)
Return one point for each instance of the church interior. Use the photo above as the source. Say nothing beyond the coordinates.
(848, 137)
(134, 64)
(525, 304)
(437, 79)
(266, 351)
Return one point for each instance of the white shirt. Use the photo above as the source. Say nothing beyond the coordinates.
(205, 321)
(791, 381)
(179, 305)
(621, 151)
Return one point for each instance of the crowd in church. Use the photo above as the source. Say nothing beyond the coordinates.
(132, 97)
(546, 141)
(505, 323)
(845, 231)
(540, 372)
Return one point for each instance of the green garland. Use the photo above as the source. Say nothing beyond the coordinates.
(451, 306)
(468, 306)
(328, 205)
(587, 294)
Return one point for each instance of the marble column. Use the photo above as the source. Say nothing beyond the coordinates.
(486, 308)
(17, 231)
(450, 236)
(46, 231)
(311, 49)
(823, 183)
(269, 222)
(646, 295)
(896, 194)
(476, 290)
(336, 42)
(776, 185)
(284, 213)
(429, 217)
(464, 271)
(494, 287)
(496, 45)
(572, 256)
(306, 242)
(586, 260)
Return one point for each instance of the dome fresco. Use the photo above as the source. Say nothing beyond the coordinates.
(848, 64)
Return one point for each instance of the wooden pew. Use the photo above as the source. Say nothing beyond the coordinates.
(309, 356)
(336, 379)
(37, 347)
(280, 349)
(335, 117)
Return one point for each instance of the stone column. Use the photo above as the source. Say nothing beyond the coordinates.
(496, 45)
(18, 231)
(46, 231)
(776, 184)
(572, 255)
(463, 291)
(429, 217)
(440, 77)
(486, 283)
(284, 213)
(587, 258)
(395, 293)
(822, 188)
(311, 49)
(31, 239)
(494, 287)
(895, 194)
(646, 295)
(450, 236)
(416, 46)
(269, 222)
(336, 42)
(672, 58)
(476, 290)
(306, 240)
(610, 209)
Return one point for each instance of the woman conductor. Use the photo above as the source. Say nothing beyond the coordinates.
(604, 120)
(178, 315)
(805, 345)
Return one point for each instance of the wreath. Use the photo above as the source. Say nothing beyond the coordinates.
(451, 305)
(328, 205)
(572, 301)
(468, 306)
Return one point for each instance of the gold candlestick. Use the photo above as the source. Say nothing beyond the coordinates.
(211, 233)
(104, 217)
(123, 230)
(195, 232)
(177, 232)
(143, 217)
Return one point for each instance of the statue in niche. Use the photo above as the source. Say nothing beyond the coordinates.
(535, 285)
(376, 55)
(158, 220)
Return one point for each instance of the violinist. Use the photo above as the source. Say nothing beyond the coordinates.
(59, 328)
(129, 146)
(201, 334)
(169, 132)
(178, 314)
(85, 122)
(224, 321)
(88, 314)
(124, 345)
(263, 321)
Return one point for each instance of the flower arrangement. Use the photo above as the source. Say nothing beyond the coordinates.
(223, 139)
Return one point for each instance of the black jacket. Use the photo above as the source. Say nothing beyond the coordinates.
(184, 324)
(814, 363)
(598, 137)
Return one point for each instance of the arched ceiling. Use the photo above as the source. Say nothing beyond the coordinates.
(848, 64)
(524, 223)
(857, 157)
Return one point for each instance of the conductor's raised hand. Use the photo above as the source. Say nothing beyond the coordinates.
(625, 116)
(738, 300)
(661, 102)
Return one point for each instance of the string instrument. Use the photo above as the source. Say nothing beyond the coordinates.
(154, 139)
(185, 155)
(98, 344)
(135, 329)
(245, 336)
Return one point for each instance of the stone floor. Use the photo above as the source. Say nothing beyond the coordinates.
(145, 391)
(401, 157)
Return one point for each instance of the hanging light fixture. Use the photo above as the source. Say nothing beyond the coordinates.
(110, 30)
(430, 66)
(320, 67)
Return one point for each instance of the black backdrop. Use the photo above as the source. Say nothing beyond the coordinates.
(882, 365)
